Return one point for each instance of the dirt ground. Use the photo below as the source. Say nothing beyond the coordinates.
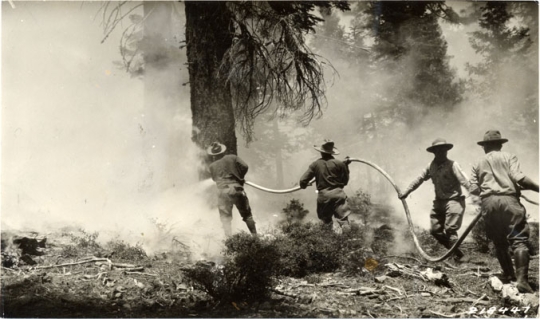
(103, 285)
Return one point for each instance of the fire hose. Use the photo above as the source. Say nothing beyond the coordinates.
(406, 208)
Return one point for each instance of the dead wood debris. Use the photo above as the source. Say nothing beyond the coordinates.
(460, 300)
(99, 262)
(456, 315)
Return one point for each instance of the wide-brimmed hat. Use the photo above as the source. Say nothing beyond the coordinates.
(327, 147)
(216, 148)
(493, 136)
(439, 143)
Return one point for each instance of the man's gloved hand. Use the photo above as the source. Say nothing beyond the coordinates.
(403, 195)
(476, 200)
(347, 160)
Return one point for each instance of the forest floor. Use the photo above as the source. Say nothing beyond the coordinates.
(103, 284)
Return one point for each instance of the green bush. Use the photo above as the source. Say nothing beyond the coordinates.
(354, 249)
(360, 204)
(121, 250)
(479, 237)
(294, 212)
(84, 243)
(308, 248)
(248, 272)
(427, 242)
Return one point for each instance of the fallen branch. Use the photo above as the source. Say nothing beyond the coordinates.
(472, 293)
(75, 263)
(139, 273)
(283, 293)
(476, 274)
(395, 289)
(447, 264)
(459, 300)
(124, 265)
(395, 298)
(479, 299)
(456, 315)
(333, 285)
(134, 269)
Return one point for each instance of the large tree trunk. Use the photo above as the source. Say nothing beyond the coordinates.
(208, 36)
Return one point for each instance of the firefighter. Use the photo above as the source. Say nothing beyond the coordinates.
(228, 172)
(331, 176)
(497, 179)
(449, 204)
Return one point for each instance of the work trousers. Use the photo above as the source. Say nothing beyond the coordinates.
(229, 195)
(506, 221)
(332, 202)
(446, 218)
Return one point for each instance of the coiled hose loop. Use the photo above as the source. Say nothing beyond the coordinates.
(405, 207)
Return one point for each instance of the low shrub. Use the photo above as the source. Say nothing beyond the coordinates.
(84, 243)
(248, 272)
(360, 204)
(479, 237)
(427, 242)
(294, 212)
(124, 251)
(354, 249)
(308, 248)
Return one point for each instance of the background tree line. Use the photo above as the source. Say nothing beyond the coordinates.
(252, 65)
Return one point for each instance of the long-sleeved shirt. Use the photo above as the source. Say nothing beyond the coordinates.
(497, 173)
(227, 170)
(447, 179)
(329, 173)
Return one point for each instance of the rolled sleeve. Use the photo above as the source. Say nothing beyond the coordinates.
(308, 176)
(474, 188)
(460, 175)
(424, 176)
(515, 170)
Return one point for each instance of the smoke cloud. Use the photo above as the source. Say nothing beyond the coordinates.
(86, 144)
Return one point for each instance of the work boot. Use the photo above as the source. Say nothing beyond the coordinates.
(251, 225)
(458, 254)
(522, 271)
(344, 224)
(506, 263)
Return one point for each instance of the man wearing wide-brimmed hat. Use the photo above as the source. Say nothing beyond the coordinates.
(449, 204)
(498, 180)
(228, 172)
(331, 176)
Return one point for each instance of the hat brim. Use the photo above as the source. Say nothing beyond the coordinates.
(223, 149)
(500, 140)
(446, 146)
(334, 150)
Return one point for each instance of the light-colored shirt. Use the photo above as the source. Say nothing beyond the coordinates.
(447, 179)
(497, 173)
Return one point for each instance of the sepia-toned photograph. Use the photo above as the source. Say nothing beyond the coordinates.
(269, 159)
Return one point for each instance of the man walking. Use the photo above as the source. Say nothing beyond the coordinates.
(497, 179)
(331, 176)
(449, 204)
(228, 172)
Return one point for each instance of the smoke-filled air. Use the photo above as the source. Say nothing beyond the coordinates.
(98, 131)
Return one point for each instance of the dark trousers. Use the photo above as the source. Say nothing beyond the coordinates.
(229, 196)
(506, 221)
(330, 203)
